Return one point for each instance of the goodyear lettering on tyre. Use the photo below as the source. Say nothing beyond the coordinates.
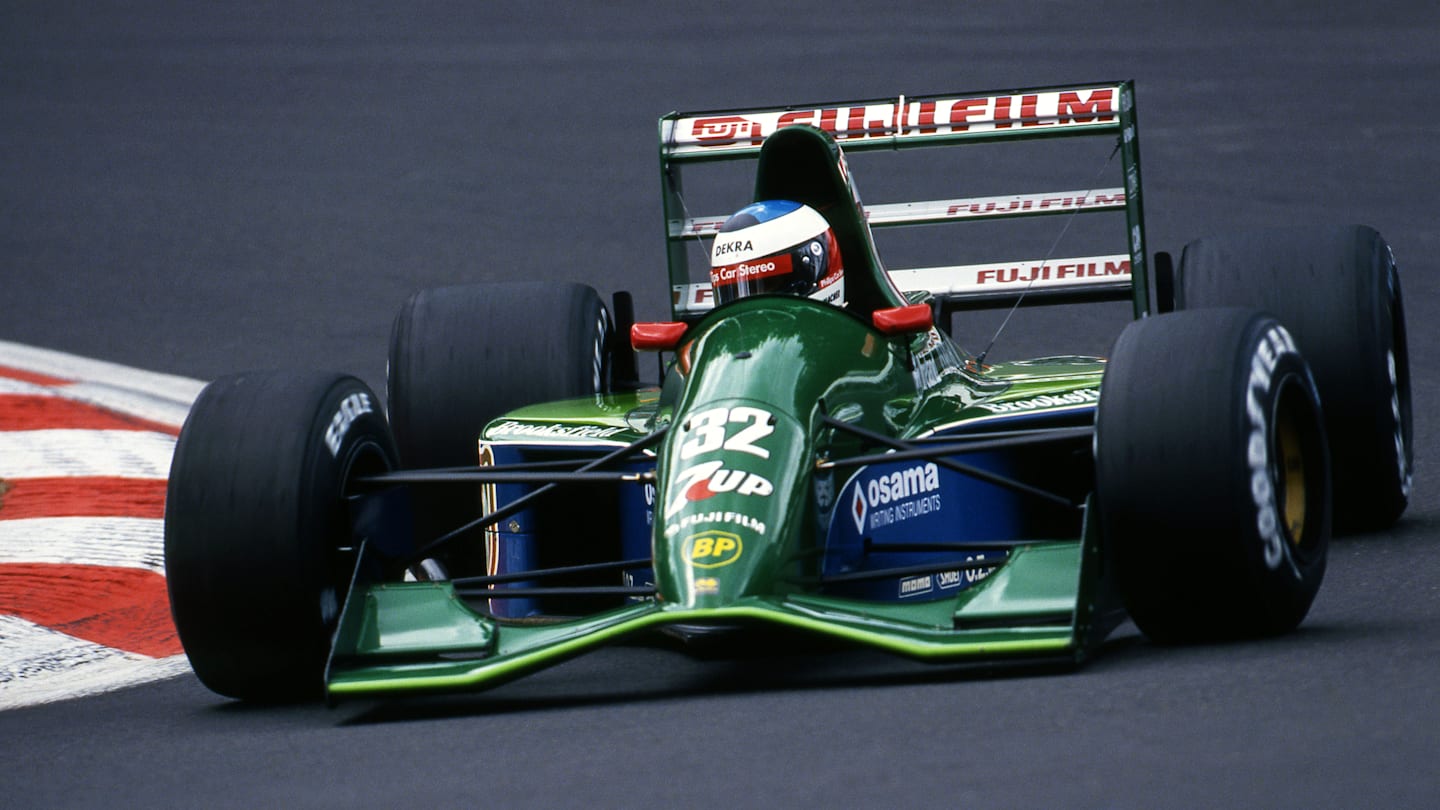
(351, 408)
(1402, 453)
(1402, 462)
(1273, 345)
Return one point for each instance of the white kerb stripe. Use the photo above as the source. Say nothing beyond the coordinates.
(108, 397)
(39, 665)
(164, 410)
(69, 453)
(84, 369)
(111, 541)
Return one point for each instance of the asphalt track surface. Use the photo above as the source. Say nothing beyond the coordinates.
(198, 189)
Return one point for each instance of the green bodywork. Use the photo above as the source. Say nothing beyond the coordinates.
(789, 358)
(751, 401)
(388, 624)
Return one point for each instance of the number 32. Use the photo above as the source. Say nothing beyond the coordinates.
(708, 431)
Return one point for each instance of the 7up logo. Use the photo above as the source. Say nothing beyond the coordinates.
(710, 479)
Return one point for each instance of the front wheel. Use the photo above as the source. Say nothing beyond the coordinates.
(258, 552)
(1212, 475)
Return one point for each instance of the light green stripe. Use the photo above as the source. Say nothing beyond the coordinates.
(911, 641)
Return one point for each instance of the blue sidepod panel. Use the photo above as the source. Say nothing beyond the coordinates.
(910, 504)
(615, 524)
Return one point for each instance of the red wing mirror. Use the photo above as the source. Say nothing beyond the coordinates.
(656, 337)
(906, 320)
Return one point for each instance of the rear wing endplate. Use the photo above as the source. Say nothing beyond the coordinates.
(904, 122)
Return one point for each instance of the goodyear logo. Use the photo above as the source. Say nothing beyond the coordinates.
(712, 549)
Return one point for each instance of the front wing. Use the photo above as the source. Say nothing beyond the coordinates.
(1049, 600)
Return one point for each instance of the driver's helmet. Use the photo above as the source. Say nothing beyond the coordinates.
(777, 246)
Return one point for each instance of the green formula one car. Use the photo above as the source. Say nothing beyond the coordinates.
(819, 456)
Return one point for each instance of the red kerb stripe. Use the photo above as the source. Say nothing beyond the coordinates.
(40, 412)
(124, 608)
(32, 377)
(82, 497)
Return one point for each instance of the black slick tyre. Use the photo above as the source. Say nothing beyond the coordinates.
(258, 555)
(1212, 475)
(461, 356)
(1338, 292)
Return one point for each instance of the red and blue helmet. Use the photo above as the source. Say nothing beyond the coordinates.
(777, 246)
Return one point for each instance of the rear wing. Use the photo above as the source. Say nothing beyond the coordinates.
(1105, 110)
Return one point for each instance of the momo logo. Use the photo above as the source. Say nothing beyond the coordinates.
(712, 549)
(915, 586)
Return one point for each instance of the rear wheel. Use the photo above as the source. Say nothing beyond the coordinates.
(1338, 292)
(258, 552)
(1212, 476)
(461, 356)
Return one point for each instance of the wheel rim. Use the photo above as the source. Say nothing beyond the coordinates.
(1290, 476)
(1297, 467)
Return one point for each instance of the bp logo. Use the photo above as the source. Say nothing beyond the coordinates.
(712, 549)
